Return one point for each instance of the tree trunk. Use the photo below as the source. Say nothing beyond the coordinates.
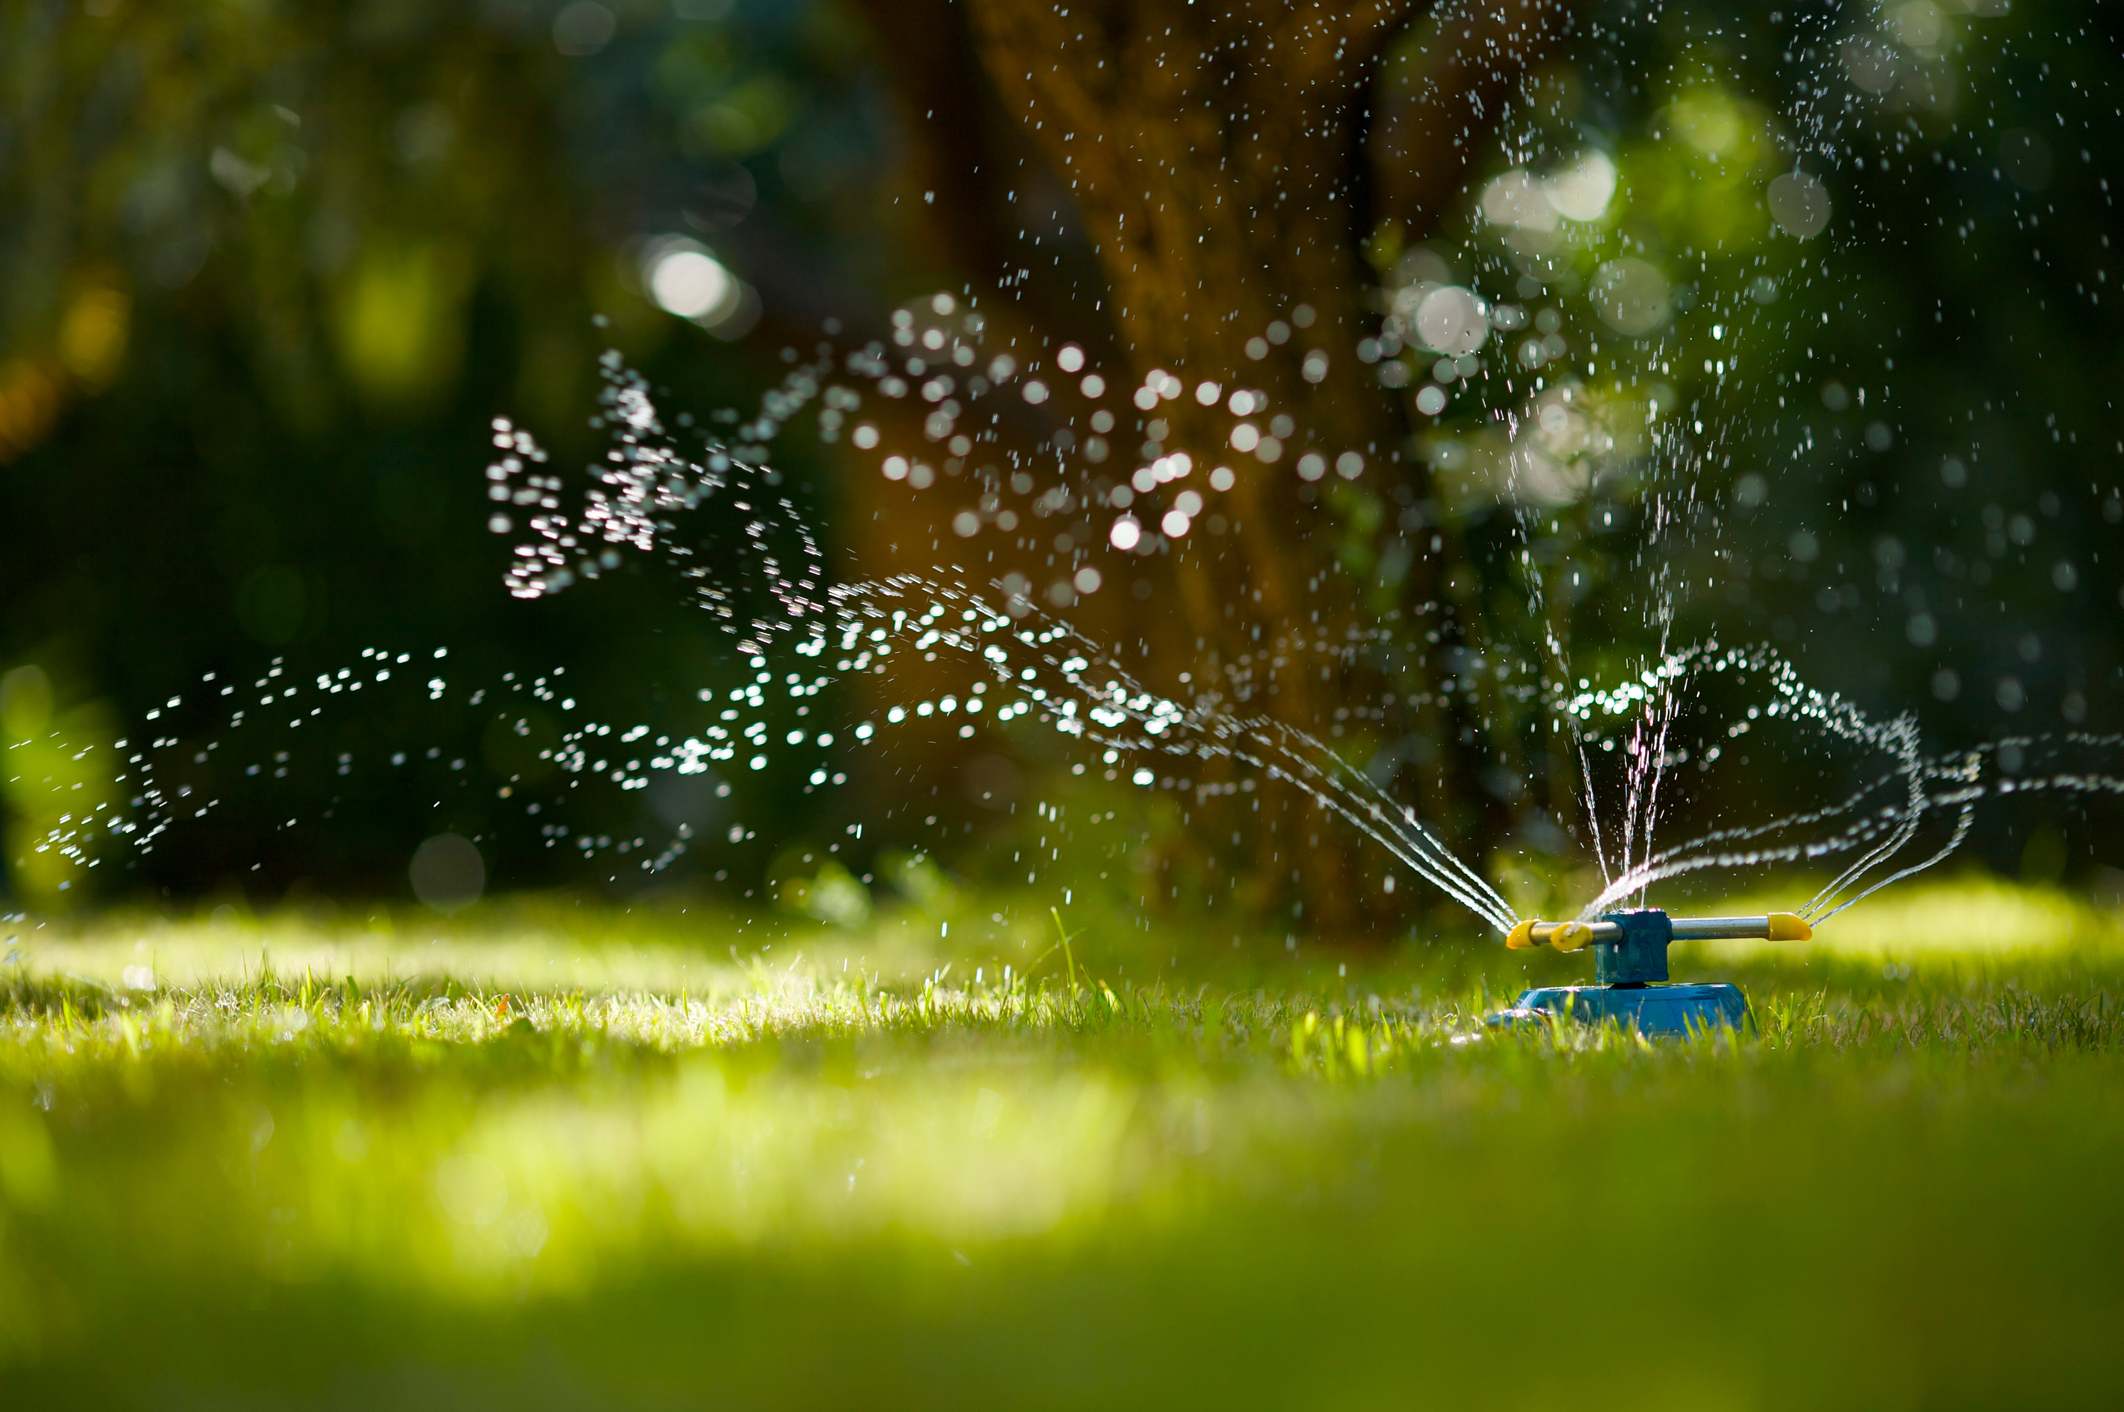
(1215, 153)
(1226, 162)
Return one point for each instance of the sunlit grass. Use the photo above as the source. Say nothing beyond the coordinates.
(572, 1157)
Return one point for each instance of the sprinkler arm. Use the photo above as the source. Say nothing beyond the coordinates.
(1576, 936)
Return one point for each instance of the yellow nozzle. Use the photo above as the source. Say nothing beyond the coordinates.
(1521, 937)
(1785, 926)
(1571, 936)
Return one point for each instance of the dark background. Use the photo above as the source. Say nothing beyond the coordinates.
(267, 272)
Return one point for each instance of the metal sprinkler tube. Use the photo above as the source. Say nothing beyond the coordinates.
(1630, 968)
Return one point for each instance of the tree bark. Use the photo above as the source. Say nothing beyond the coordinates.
(1226, 162)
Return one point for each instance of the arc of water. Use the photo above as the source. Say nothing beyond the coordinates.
(1412, 844)
(649, 482)
(1963, 820)
(1746, 832)
(1969, 791)
(1261, 744)
(1904, 731)
(1412, 831)
(1897, 738)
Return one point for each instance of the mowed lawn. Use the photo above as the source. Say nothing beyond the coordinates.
(542, 1156)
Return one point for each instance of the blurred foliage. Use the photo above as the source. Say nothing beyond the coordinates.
(1803, 328)
(268, 269)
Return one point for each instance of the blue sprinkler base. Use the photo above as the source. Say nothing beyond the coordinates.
(1655, 1011)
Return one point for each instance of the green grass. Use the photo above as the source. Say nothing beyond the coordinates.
(552, 1157)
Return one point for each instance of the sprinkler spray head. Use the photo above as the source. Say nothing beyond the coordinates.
(1576, 936)
(1630, 963)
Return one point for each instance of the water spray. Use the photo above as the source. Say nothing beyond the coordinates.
(1630, 968)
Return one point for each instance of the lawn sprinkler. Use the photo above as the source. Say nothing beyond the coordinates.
(1630, 964)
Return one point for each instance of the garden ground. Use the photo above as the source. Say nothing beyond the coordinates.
(552, 1156)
